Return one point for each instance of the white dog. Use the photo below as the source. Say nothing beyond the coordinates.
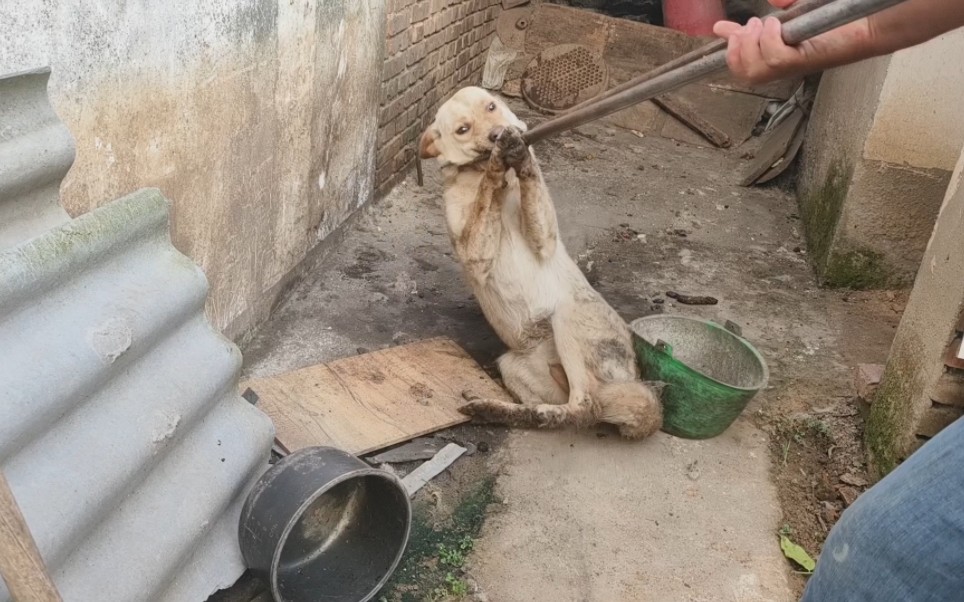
(571, 360)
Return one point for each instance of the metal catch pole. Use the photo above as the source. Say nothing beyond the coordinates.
(795, 31)
(801, 7)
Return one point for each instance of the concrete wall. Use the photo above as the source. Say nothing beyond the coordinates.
(257, 118)
(883, 139)
(908, 405)
(432, 48)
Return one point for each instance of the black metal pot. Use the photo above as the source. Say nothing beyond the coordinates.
(323, 525)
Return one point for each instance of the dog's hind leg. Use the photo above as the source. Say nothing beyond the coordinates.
(528, 375)
(581, 409)
(490, 411)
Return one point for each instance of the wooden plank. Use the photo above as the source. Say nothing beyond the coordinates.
(365, 403)
(733, 113)
(671, 129)
(21, 566)
(689, 115)
(641, 118)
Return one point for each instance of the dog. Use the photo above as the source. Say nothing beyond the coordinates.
(570, 360)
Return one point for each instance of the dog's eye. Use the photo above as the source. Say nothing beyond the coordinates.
(491, 107)
(462, 130)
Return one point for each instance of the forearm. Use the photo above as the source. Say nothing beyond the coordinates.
(907, 24)
(757, 53)
(913, 22)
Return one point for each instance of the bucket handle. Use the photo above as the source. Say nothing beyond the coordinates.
(734, 328)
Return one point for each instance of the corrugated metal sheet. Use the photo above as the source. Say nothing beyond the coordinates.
(121, 429)
(36, 151)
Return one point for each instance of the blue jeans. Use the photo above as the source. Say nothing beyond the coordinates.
(902, 540)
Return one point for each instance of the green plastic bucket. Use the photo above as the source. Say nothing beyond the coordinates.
(711, 373)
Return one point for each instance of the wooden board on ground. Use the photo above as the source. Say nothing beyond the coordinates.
(365, 403)
(689, 115)
(641, 117)
(733, 113)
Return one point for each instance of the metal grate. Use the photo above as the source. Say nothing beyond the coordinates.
(564, 76)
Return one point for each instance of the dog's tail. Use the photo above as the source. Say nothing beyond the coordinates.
(633, 407)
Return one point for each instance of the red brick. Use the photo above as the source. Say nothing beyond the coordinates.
(392, 67)
(399, 43)
(421, 10)
(394, 108)
(399, 22)
(416, 33)
(432, 48)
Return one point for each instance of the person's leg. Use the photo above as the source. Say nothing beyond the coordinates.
(902, 540)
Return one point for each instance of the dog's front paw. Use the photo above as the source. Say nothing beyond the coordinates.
(512, 147)
(497, 163)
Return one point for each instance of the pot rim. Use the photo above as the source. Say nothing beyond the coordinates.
(764, 378)
(293, 520)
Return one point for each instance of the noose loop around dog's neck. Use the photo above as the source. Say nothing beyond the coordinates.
(476, 165)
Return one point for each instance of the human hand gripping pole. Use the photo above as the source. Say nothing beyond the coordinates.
(796, 30)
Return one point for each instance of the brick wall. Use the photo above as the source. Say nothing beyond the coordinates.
(433, 47)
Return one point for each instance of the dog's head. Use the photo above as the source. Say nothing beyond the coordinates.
(466, 127)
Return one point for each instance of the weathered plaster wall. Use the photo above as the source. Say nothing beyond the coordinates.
(841, 119)
(916, 360)
(882, 142)
(910, 127)
(257, 118)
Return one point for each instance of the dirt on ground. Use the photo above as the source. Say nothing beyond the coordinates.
(819, 461)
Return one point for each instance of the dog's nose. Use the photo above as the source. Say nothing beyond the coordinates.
(495, 132)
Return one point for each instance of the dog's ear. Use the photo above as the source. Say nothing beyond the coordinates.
(426, 147)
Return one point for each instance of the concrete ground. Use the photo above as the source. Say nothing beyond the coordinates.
(587, 517)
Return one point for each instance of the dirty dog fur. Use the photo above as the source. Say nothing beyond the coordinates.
(570, 360)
